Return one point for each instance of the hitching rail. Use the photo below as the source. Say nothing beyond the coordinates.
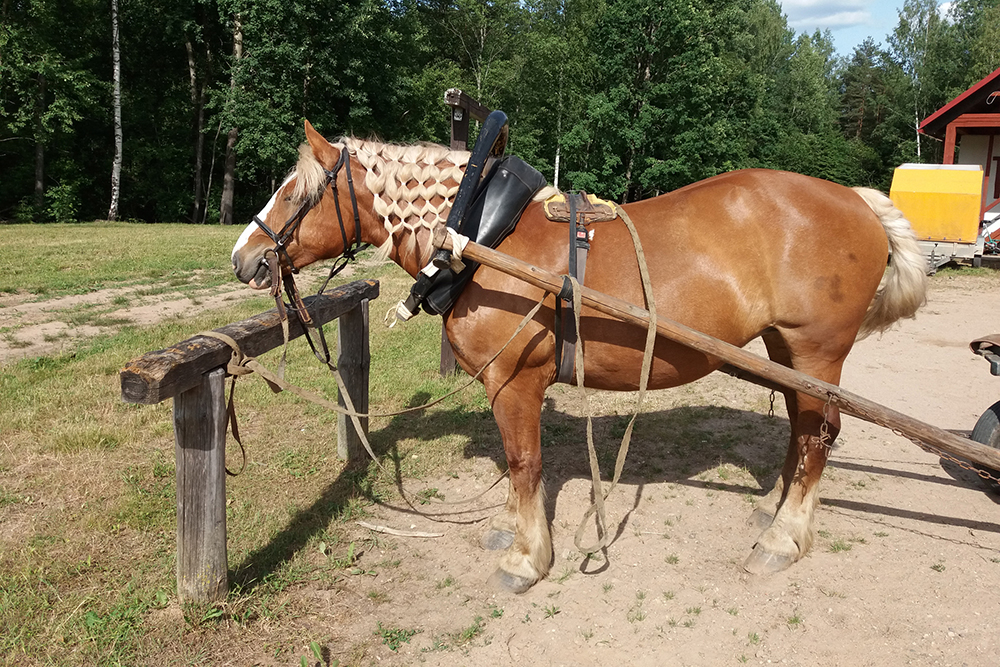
(193, 373)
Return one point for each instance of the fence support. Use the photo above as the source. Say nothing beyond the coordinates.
(200, 437)
(193, 373)
(354, 361)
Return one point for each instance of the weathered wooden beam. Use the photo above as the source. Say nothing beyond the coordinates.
(200, 447)
(157, 376)
(756, 366)
(456, 98)
(353, 360)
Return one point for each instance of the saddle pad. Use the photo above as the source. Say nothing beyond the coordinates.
(590, 208)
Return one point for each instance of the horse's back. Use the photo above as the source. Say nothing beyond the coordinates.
(731, 256)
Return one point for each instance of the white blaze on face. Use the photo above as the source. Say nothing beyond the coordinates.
(245, 236)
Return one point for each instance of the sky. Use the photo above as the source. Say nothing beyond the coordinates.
(850, 21)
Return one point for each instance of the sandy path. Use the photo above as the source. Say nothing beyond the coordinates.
(55, 326)
(903, 571)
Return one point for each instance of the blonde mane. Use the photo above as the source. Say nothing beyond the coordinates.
(413, 186)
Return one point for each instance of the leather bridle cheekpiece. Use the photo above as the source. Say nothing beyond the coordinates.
(282, 236)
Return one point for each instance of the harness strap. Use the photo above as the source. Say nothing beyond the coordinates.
(566, 325)
(603, 536)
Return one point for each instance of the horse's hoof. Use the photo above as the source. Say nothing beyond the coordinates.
(497, 540)
(760, 519)
(764, 562)
(509, 582)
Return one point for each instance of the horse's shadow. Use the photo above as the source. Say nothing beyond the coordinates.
(677, 445)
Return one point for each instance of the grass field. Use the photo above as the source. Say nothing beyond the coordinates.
(52, 260)
(87, 507)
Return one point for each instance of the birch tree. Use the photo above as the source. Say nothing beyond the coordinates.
(116, 165)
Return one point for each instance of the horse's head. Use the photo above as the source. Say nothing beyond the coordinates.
(305, 220)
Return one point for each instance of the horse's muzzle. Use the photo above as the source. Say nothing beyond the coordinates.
(254, 272)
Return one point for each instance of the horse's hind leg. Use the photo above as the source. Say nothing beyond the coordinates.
(517, 407)
(815, 425)
(767, 507)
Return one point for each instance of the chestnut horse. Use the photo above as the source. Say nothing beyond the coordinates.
(798, 261)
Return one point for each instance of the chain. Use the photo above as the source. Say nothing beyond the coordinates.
(930, 449)
(824, 429)
(770, 410)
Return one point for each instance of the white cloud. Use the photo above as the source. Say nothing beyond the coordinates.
(810, 14)
(832, 20)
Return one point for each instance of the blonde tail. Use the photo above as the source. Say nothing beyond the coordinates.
(904, 286)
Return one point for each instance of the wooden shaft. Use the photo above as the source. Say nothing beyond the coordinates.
(353, 361)
(200, 447)
(751, 363)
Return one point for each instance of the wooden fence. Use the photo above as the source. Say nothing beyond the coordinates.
(193, 373)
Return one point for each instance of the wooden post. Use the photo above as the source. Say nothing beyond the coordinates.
(192, 373)
(459, 129)
(200, 437)
(462, 107)
(353, 360)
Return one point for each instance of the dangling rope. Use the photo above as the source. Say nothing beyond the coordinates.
(603, 535)
(240, 364)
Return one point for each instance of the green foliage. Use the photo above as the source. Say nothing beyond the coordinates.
(394, 637)
(628, 98)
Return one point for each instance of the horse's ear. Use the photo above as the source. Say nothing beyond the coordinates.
(322, 149)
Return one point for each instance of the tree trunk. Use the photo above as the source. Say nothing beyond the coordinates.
(116, 167)
(229, 181)
(198, 104)
(40, 147)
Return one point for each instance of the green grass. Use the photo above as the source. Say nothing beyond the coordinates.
(59, 259)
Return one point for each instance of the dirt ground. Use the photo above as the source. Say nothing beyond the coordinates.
(903, 571)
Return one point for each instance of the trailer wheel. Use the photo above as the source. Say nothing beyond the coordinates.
(987, 432)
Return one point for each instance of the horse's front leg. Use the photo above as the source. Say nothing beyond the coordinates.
(517, 407)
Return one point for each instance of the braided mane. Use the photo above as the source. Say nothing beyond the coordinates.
(413, 186)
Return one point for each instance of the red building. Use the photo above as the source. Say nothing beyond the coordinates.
(971, 123)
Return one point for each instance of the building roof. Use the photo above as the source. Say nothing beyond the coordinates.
(983, 97)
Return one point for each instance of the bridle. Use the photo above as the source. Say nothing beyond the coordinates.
(287, 230)
(281, 238)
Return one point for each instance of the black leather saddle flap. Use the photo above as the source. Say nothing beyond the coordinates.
(493, 215)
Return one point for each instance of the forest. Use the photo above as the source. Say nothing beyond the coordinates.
(192, 110)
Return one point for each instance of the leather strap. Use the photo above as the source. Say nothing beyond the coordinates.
(566, 332)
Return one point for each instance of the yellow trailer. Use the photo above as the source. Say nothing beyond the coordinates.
(942, 203)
